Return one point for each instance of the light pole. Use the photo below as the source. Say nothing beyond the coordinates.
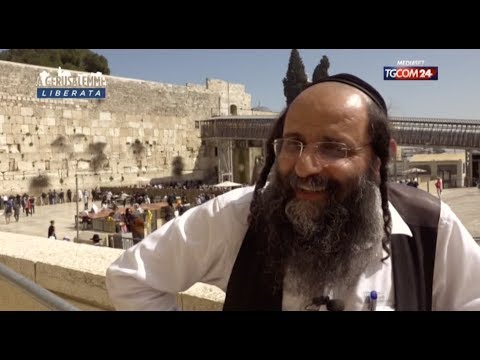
(76, 198)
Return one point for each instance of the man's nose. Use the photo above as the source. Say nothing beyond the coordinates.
(307, 165)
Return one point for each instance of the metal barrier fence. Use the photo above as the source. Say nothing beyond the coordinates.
(42, 295)
(119, 242)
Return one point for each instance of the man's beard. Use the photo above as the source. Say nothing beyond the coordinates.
(322, 244)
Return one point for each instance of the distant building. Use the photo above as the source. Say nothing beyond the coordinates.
(450, 167)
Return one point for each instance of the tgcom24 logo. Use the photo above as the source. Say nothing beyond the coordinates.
(410, 70)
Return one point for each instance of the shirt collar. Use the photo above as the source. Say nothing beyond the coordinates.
(399, 226)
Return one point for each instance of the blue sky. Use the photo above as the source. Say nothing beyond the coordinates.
(455, 95)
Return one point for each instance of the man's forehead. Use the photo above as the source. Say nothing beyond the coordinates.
(360, 84)
(336, 101)
(329, 111)
(331, 92)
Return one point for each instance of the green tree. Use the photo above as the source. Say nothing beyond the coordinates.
(296, 78)
(94, 62)
(71, 59)
(177, 166)
(321, 70)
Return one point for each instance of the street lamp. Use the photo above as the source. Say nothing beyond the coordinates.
(76, 198)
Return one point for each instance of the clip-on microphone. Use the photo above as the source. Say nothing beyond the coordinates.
(332, 305)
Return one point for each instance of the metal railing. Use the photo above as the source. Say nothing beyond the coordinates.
(120, 242)
(43, 296)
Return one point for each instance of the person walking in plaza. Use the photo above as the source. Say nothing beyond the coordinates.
(86, 195)
(439, 186)
(28, 206)
(8, 210)
(16, 210)
(79, 195)
(32, 200)
(51, 230)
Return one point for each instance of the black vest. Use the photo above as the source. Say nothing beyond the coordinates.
(413, 258)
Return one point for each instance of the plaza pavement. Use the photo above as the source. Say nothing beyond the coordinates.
(63, 214)
(465, 202)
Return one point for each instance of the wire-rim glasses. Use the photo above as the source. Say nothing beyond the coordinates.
(329, 151)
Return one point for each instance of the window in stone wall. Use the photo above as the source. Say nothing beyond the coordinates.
(216, 151)
(47, 164)
(233, 109)
(11, 165)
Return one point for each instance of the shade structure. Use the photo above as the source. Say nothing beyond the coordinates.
(414, 171)
(228, 184)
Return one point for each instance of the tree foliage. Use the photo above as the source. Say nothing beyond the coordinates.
(99, 159)
(71, 59)
(296, 78)
(177, 166)
(39, 182)
(321, 70)
(61, 144)
(138, 149)
(98, 162)
(97, 147)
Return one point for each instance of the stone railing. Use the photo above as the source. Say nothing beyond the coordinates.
(76, 273)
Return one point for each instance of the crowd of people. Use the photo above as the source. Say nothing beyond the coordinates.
(14, 205)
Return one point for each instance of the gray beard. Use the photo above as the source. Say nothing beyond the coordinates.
(322, 245)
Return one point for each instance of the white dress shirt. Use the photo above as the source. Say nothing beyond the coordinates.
(203, 243)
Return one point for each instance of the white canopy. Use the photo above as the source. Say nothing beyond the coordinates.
(228, 184)
(143, 181)
(414, 171)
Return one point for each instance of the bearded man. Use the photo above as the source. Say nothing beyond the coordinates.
(322, 229)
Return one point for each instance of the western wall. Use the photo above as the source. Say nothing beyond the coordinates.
(131, 136)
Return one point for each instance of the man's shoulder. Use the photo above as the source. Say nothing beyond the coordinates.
(238, 196)
(411, 194)
(414, 205)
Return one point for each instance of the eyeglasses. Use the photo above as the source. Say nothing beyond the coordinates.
(322, 151)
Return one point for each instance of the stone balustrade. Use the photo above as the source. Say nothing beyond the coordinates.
(76, 273)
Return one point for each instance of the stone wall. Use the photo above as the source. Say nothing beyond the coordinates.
(76, 273)
(232, 98)
(142, 124)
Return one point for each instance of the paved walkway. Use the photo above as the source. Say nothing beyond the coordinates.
(465, 202)
(63, 214)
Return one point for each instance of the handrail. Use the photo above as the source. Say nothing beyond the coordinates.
(42, 295)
